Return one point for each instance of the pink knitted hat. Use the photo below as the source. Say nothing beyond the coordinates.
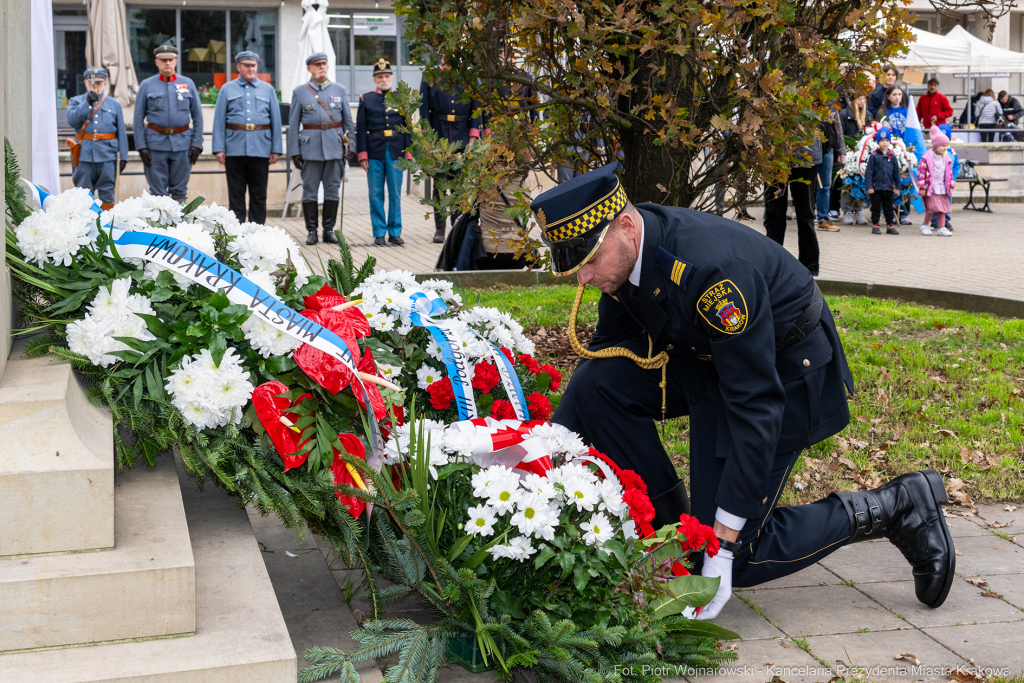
(937, 137)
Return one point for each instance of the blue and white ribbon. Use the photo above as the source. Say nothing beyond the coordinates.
(427, 305)
(43, 199)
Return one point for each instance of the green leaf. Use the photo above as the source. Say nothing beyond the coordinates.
(545, 554)
(161, 294)
(219, 300)
(191, 206)
(705, 628)
(481, 554)
(155, 325)
(682, 591)
(280, 364)
(566, 561)
(542, 381)
(218, 347)
(154, 382)
(458, 547)
(484, 403)
(137, 392)
(580, 577)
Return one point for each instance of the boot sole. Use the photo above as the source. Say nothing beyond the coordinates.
(938, 491)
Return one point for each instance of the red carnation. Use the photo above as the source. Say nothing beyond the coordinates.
(632, 480)
(696, 535)
(441, 394)
(640, 507)
(485, 376)
(539, 406)
(508, 354)
(531, 365)
(556, 376)
(503, 410)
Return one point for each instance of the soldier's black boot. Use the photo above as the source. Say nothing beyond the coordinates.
(439, 226)
(669, 505)
(310, 212)
(330, 218)
(908, 512)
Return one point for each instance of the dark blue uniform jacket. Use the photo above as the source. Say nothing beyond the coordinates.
(374, 115)
(714, 291)
(438, 105)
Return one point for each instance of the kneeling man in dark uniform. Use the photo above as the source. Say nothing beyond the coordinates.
(704, 317)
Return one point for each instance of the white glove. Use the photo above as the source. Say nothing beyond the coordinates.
(721, 566)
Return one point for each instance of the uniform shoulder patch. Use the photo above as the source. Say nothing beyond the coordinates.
(674, 269)
(723, 307)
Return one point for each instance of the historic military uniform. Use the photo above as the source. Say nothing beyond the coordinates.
(755, 360)
(452, 120)
(164, 108)
(247, 129)
(322, 111)
(378, 142)
(102, 140)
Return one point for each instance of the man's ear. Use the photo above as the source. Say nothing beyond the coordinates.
(627, 221)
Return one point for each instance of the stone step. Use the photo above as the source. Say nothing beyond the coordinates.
(143, 587)
(240, 634)
(56, 462)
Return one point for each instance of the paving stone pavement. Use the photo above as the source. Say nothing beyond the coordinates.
(985, 255)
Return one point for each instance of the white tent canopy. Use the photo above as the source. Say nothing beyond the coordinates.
(934, 53)
(985, 56)
(313, 38)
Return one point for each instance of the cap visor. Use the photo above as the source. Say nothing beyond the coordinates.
(570, 255)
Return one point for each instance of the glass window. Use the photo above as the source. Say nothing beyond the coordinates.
(148, 29)
(376, 36)
(255, 31)
(203, 50)
(69, 58)
(340, 28)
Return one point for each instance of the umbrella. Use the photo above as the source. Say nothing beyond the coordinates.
(313, 38)
(107, 46)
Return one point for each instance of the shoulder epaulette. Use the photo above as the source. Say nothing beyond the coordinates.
(674, 269)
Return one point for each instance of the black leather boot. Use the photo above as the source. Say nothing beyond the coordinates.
(439, 234)
(310, 212)
(669, 505)
(908, 512)
(329, 219)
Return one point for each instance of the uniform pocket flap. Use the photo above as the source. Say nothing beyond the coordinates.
(805, 356)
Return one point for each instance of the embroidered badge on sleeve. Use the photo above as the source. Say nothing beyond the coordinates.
(723, 307)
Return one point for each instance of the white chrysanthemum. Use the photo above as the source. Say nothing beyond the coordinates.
(580, 492)
(534, 515)
(481, 521)
(383, 323)
(483, 480)
(397, 448)
(269, 248)
(458, 442)
(262, 279)
(266, 339)
(57, 234)
(560, 441)
(426, 376)
(498, 327)
(598, 530)
(503, 492)
(611, 498)
(212, 216)
(207, 395)
(168, 211)
(111, 314)
(538, 485)
(192, 235)
(132, 214)
(519, 548)
(434, 350)
(389, 372)
(94, 339)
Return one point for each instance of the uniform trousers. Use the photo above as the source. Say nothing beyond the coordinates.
(168, 174)
(99, 177)
(613, 403)
(801, 180)
(248, 173)
(384, 173)
(315, 172)
(438, 216)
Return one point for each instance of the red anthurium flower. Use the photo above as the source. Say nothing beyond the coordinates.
(328, 371)
(366, 365)
(325, 298)
(353, 446)
(350, 324)
(270, 406)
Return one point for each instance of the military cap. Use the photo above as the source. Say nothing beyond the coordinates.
(883, 134)
(96, 72)
(246, 54)
(166, 50)
(574, 217)
(317, 57)
(381, 67)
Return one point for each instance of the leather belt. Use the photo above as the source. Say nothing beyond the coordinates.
(452, 117)
(96, 136)
(166, 131)
(387, 133)
(247, 126)
(807, 321)
(322, 126)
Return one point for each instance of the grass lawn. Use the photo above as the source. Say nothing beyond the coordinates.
(935, 388)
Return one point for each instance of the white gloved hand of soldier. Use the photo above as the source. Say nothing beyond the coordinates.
(721, 566)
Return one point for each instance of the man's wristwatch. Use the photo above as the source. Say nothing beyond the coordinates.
(732, 546)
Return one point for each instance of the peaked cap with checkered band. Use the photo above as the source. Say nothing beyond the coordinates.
(575, 216)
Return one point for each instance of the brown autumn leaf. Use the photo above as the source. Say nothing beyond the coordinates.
(991, 594)
(998, 525)
(966, 676)
(909, 657)
(948, 433)
(1009, 508)
(977, 581)
(783, 643)
(863, 418)
(849, 463)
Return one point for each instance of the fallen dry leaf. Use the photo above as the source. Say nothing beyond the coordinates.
(958, 552)
(849, 463)
(948, 433)
(909, 657)
(977, 582)
(998, 525)
(731, 647)
(991, 594)
(1009, 508)
(966, 676)
(783, 643)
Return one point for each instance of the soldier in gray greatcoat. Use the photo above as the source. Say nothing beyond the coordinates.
(318, 150)
(164, 107)
(99, 127)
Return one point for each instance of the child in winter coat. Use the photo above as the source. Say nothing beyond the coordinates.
(882, 179)
(936, 180)
(954, 158)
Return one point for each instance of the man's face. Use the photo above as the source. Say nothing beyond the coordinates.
(610, 267)
(1004, 99)
(166, 64)
(318, 70)
(247, 68)
(96, 84)
(382, 81)
(890, 77)
(933, 88)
